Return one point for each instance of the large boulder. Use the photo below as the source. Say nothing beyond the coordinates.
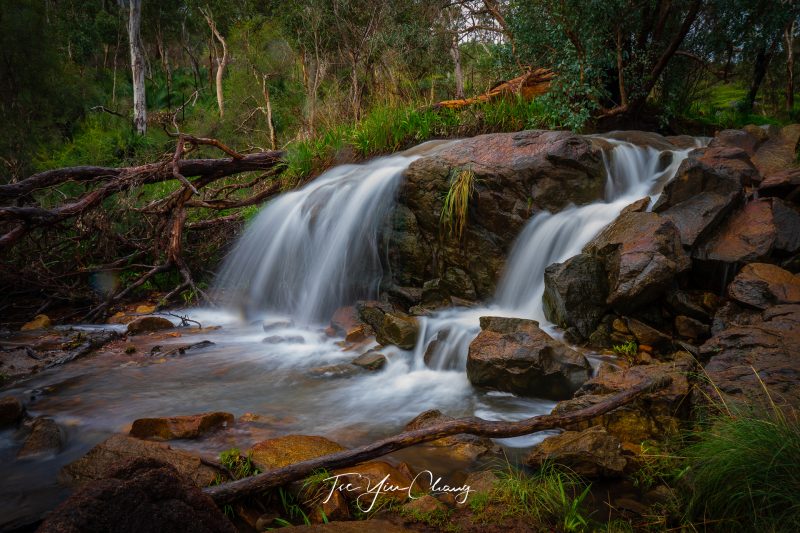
(516, 175)
(592, 452)
(290, 449)
(642, 253)
(762, 351)
(781, 183)
(179, 427)
(763, 285)
(514, 355)
(139, 496)
(754, 233)
(722, 171)
(575, 293)
(779, 151)
(741, 139)
(118, 449)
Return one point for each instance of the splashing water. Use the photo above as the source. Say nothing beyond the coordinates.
(633, 172)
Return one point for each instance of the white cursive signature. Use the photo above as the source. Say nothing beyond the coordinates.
(384, 486)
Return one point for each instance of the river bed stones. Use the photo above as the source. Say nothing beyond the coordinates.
(138, 496)
(465, 448)
(398, 329)
(117, 449)
(763, 285)
(290, 449)
(11, 411)
(592, 453)
(371, 361)
(147, 324)
(180, 427)
(45, 437)
(575, 293)
(515, 355)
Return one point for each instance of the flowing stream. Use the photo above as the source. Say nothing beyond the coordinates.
(307, 253)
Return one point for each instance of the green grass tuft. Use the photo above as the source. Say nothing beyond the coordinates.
(456, 203)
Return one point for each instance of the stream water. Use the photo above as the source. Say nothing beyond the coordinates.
(307, 253)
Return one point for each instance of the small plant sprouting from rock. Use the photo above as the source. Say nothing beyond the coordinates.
(627, 349)
(456, 202)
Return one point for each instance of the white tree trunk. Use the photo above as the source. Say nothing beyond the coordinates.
(222, 62)
(456, 53)
(137, 67)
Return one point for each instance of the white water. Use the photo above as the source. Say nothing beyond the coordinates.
(632, 173)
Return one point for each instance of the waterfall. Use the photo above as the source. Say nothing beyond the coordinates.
(632, 172)
(315, 249)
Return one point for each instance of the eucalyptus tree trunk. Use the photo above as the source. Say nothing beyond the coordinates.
(459, 75)
(137, 67)
(222, 61)
(788, 36)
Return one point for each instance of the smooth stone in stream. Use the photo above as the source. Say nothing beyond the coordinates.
(180, 427)
(463, 447)
(39, 322)
(11, 411)
(117, 449)
(290, 449)
(278, 339)
(45, 437)
(370, 361)
(149, 323)
(399, 330)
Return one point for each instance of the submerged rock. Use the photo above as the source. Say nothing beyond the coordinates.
(592, 452)
(118, 449)
(11, 411)
(370, 361)
(290, 449)
(45, 437)
(463, 447)
(180, 427)
(149, 323)
(139, 496)
(514, 355)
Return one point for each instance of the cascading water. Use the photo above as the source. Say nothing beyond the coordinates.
(312, 250)
(633, 172)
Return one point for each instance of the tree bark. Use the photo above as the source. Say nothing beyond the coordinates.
(788, 36)
(222, 62)
(763, 58)
(458, 74)
(623, 96)
(228, 492)
(137, 67)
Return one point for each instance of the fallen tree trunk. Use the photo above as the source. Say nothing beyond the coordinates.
(228, 492)
(527, 86)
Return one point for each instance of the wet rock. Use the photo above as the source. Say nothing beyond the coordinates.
(731, 315)
(399, 330)
(696, 217)
(344, 320)
(118, 449)
(466, 448)
(642, 138)
(281, 339)
(753, 233)
(691, 328)
(147, 324)
(721, 171)
(648, 335)
(638, 206)
(575, 293)
(11, 411)
(779, 151)
(372, 313)
(181, 349)
(781, 184)
(331, 509)
(517, 175)
(741, 139)
(272, 325)
(770, 346)
(180, 427)
(290, 449)
(700, 305)
(368, 475)
(642, 253)
(764, 285)
(592, 453)
(370, 361)
(435, 293)
(39, 322)
(407, 249)
(45, 437)
(482, 482)
(514, 355)
(337, 371)
(459, 283)
(141, 496)
(652, 416)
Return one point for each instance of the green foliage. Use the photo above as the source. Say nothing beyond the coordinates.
(455, 209)
(292, 509)
(627, 349)
(438, 518)
(551, 496)
(238, 465)
(744, 471)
